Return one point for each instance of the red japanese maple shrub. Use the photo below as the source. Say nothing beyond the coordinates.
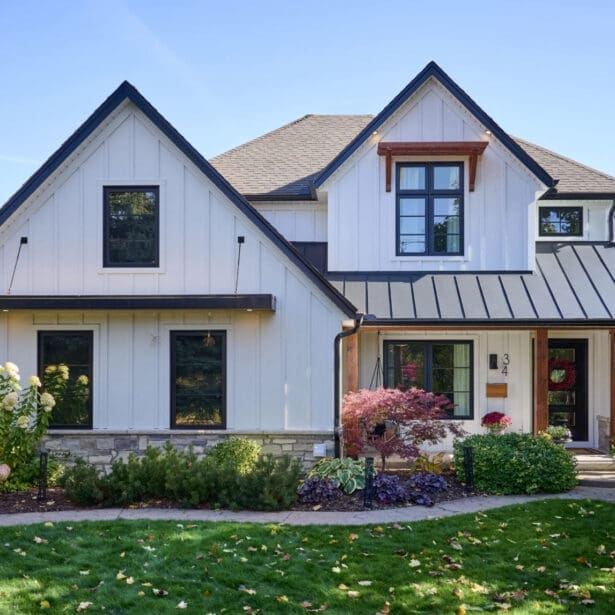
(395, 422)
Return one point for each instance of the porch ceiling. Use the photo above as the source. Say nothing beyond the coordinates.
(572, 284)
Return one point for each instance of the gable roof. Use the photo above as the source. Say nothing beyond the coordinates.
(432, 70)
(283, 163)
(127, 91)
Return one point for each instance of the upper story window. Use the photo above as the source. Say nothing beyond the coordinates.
(430, 209)
(560, 221)
(131, 226)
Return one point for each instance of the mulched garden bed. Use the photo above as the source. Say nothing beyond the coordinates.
(25, 501)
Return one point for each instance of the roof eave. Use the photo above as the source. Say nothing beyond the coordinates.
(554, 195)
(433, 70)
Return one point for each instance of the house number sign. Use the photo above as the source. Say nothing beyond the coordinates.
(505, 364)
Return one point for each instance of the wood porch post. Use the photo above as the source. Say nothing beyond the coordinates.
(612, 336)
(541, 380)
(351, 373)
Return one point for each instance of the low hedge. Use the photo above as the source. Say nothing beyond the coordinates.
(517, 463)
(231, 476)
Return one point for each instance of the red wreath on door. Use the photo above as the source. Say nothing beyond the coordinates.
(570, 375)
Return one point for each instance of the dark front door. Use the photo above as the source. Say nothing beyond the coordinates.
(568, 386)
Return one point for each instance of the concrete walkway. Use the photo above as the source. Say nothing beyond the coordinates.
(391, 515)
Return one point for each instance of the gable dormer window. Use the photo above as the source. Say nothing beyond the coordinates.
(560, 221)
(429, 209)
(131, 226)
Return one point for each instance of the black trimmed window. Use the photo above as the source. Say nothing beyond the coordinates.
(442, 367)
(429, 209)
(198, 379)
(560, 221)
(65, 368)
(131, 226)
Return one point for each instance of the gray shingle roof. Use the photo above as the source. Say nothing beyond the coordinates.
(282, 163)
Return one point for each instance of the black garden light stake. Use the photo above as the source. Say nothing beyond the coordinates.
(42, 477)
(468, 466)
(369, 482)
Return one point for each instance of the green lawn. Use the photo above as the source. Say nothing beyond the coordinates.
(546, 557)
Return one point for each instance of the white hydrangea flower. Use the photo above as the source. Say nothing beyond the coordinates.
(63, 369)
(83, 379)
(10, 401)
(47, 401)
(35, 381)
(23, 422)
(12, 370)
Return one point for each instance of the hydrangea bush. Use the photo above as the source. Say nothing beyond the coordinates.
(24, 417)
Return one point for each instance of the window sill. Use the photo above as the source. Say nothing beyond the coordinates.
(131, 270)
(431, 258)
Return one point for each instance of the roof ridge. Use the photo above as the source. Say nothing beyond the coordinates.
(566, 158)
(279, 129)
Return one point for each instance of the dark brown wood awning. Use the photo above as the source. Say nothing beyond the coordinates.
(138, 302)
(473, 149)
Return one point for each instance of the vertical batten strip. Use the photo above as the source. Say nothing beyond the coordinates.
(541, 379)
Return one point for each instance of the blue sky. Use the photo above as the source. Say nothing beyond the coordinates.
(223, 73)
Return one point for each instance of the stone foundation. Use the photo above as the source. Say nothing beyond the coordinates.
(604, 433)
(103, 448)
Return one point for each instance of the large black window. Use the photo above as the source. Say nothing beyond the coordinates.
(443, 367)
(562, 221)
(198, 379)
(65, 367)
(430, 209)
(131, 226)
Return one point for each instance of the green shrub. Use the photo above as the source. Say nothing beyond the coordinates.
(517, 463)
(82, 484)
(346, 473)
(26, 475)
(272, 485)
(240, 453)
(179, 476)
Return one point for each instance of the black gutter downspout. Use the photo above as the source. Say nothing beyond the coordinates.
(336, 384)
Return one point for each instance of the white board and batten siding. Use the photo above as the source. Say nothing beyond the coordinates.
(296, 220)
(279, 365)
(499, 216)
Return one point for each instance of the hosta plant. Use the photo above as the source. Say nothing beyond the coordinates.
(346, 473)
(24, 416)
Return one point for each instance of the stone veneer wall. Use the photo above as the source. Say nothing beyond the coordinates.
(102, 448)
(604, 433)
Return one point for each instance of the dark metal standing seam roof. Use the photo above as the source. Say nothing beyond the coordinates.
(573, 283)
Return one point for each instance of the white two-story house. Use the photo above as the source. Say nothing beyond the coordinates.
(423, 246)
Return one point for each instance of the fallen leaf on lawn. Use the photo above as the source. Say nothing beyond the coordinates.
(252, 549)
(40, 541)
(587, 601)
(353, 537)
(541, 568)
(146, 584)
(141, 593)
(343, 587)
(120, 576)
(519, 566)
(353, 594)
(282, 598)
(336, 569)
(159, 592)
(182, 605)
(458, 592)
(601, 550)
(84, 572)
(306, 605)
(365, 583)
(503, 606)
(455, 545)
(130, 580)
(386, 609)
(48, 524)
(83, 606)
(243, 588)
(45, 604)
(414, 563)
(123, 554)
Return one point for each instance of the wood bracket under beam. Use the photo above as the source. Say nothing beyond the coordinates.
(472, 149)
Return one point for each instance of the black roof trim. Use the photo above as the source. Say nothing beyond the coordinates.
(433, 70)
(550, 195)
(276, 196)
(525, 323)
(128, 91)
(138, 302)
(407, 276)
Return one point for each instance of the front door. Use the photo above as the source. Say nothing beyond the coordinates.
(568, 386)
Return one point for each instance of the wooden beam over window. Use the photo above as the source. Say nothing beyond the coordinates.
(541, 380)
(472, 149)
